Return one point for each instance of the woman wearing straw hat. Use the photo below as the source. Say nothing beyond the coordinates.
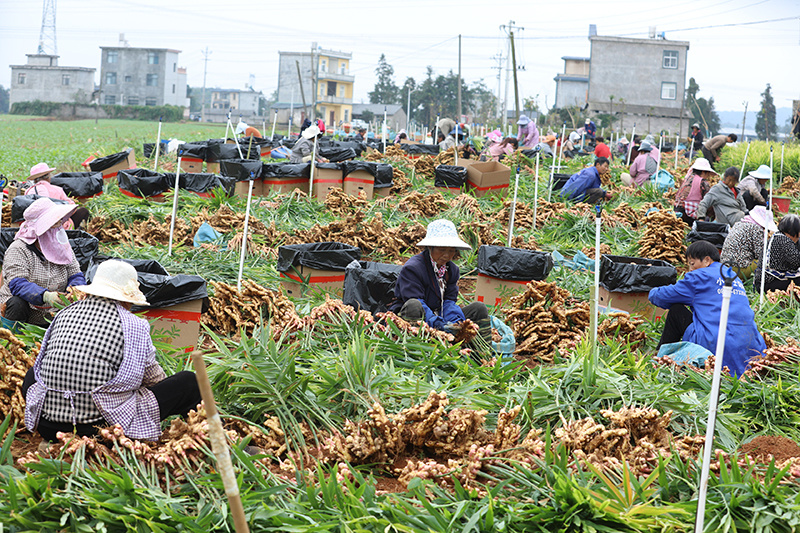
(528, 134)
(498, 151)
(427, 286)
(752, 187)
(40, 184)
(783, 257)
(97, 366)
(304, 147)
(38, 265)
(693, 189)
(745, 241)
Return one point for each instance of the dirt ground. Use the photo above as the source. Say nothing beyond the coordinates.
(761, 448)
(466, 286)
(23, 443)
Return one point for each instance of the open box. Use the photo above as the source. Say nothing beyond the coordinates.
(489, 177)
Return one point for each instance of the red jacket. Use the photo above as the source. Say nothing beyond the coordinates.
(602, 150)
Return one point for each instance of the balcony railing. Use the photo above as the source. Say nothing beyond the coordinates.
(334, 100)
(335, 76)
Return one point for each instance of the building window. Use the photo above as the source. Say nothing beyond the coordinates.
(111, 78)
(65, 79)
(113, 56)
(149, 101)
(343, 68)
(341, 91)
(152, 80)
(110, 99)
(670, 59)
(152, 58)
(133, 100)
(324, 65)
(21, 78)
(173, 88)
(128, 79)
(331, 88)
(669, 90)
(347, 115)
(174, 67)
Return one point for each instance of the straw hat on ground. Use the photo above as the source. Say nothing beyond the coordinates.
(116, 280)
(443, 233)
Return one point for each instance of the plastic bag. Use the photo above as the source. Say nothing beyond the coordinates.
(20, 203)
(286, 170)
(420, 149)
(218, 152)
(109, 160)
(384, 175)
(559, 180)
(370, 286)
(663, 180)
(148, 149)
(335, 154)
(507, 344)
(635, 274)
(142, 183)
(241, 169)
(79, 184)
(708, 231)
(450, 176)
(684, 352)
(514, 264)
(193, 150)
(206, 233)
(319, 255)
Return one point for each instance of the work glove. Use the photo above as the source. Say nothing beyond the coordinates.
(51, 298)
(450, 327)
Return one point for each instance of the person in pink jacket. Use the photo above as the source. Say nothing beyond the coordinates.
(40, 177)
(528, 135)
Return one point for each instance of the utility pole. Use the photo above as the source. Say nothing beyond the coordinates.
(744, 119)
(205, 53)
(302, 92)
(314, 82)
(458, 105)
(510, 29)
(499, 58)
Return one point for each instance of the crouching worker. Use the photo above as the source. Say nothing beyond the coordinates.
(97, 366)
(701, 289)
(427, 286)
(584, 186)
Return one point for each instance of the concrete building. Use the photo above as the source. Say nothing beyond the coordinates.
(43, 79)
(324, 81)
(645, 77)
(141, 76)
(395, 115)
(242, 104)
(572, 86)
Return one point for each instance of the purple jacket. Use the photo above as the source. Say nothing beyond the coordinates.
(417, 280)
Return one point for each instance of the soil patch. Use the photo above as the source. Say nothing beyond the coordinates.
(388, 484)
(466, 287)
(23, 443)
(761, 448)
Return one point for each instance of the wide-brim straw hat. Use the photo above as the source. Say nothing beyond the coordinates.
(523, 120)
(761, 173)
(311, 132)
(116, 280)
(763, 218)
(443, 233)
(43, 214)
(702, 164)
(39, 170)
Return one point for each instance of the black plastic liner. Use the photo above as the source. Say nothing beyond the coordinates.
(148, 149)
(205, 183)
(142, 182)
(668, 147)
(288, 143)
(370, 286)
(84, 245)
(514, 264)
(358, 147)
(708, 231)
(218, 152)
(286, 170)
(368, 166)
(450, 176)
(420, 149)
(159, 288)
(194, 150)
(384, 176)
(335, 154)
(109, 160)
(377, 145)
(319, 255)
(79, 184)
(635, 274)
(20, 203)
(559, 180)
(241, 169)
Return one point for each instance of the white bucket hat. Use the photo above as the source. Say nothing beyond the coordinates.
(761, 173)
(443, 233)
(763, 218)
(241, 127)
(523, 120)
(116, 280)
(701, 163)
(311, 132)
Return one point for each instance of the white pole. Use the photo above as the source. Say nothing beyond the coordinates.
(630, 146)
(244, 237)
(158, 144)
(408, 117)
(677, 140)
(766, 234)
(536, 189)
(744, 161)
(658, 169)
(713, 401)
(384, 129)
(596, 293)
(228, 125)
(513, 209)
(455, 148)
(560, 153)
(274, 121)
(313, 164)
(235, 139)
(780, 176)
(583, 139)
(436, 131)
(175, 202)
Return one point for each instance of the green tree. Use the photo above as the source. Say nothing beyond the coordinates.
(766, 126)
(5, 96)
(702, 110)
(439, 95)
(385, 90)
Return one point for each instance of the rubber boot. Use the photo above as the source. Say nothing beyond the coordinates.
(11, 325)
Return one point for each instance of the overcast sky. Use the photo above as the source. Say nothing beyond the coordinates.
(736, 46)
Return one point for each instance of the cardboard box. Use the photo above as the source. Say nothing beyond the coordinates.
(191, 165)
(325, 180)
(212, 168)
(635, 303)
(242, 188)
(184, 318)
(129, 162)
(300, 278)
(489, 177)
(454, 190)
(284, 185)
(358, 181)
(381, 192)
(496, 291)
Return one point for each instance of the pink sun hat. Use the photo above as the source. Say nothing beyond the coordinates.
(39, 170)
(40, 216)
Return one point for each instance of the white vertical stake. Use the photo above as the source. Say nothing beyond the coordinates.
(630, 146)
(274, 121)
(158, 145)
(513, 209)
(244, 236)
(536, 189)
(766, 234)
(677, 140)
(175, 202)
(596, 292)
(313, 165)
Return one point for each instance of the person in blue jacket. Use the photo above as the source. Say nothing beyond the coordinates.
(590, 128)
(701, 288)
(585, 186)
(427, 286)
